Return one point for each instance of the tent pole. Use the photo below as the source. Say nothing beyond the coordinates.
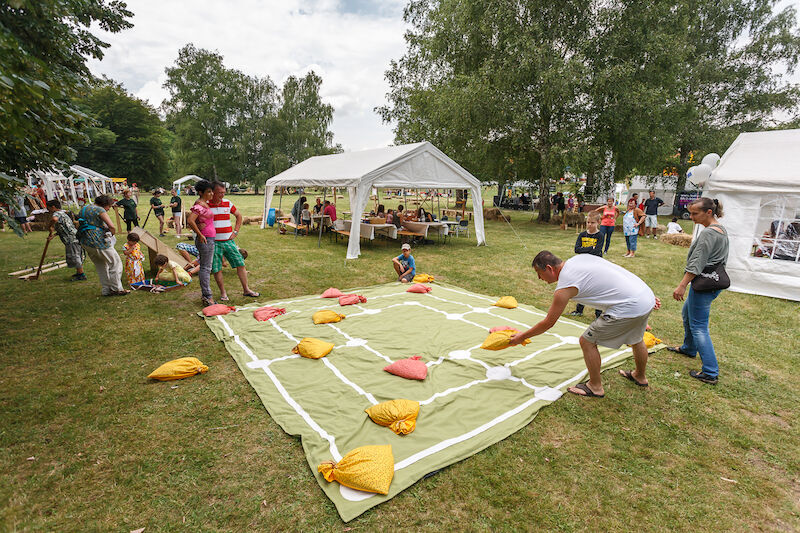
(438, 206)
(280, 199)
(321, 218)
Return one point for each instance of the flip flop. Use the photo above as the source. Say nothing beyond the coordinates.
(585, 388)
(678, 350)
(628, 374)
(224, 299)
(253, 294)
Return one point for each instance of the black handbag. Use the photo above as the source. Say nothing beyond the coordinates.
(712, 278)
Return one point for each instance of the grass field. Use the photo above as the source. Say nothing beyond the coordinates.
(88, 443)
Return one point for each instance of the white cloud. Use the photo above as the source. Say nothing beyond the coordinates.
(349, 43)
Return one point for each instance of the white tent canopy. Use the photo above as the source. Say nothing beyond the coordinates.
(59, 185)
(758, 183)
(180, 181)
(409, 166)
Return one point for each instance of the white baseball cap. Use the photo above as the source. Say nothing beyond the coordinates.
(406, 246)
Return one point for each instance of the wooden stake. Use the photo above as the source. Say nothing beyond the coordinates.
(41, 261)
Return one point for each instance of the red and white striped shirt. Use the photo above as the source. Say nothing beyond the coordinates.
(222, 219)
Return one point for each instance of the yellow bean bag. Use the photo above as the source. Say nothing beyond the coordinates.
(422, 278)
(651, 340)
(398, 415)
(178, 369)
(500, 339)
(326, 315)
(509, 302)
(367, 468)
(313, 348)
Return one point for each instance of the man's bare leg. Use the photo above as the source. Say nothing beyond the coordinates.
(591, 356)
(220, 284)
(242, 273)
(640, 356)
(186, 255)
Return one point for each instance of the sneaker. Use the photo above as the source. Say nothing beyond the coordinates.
(655, 237)
(575, 313)
(702, 376)
(78, 277)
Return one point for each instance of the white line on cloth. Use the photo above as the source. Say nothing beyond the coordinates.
(261, 363)
(480, 429)
(296, 406)
(345, 335)
(437, 362)
(288, 335)
(365, 346)
(355, 387)
(534, 354)
(451, 390)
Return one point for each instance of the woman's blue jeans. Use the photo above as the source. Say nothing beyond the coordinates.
(696, 337)
(605, 232)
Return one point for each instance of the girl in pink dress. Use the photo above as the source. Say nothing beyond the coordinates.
(134, 259)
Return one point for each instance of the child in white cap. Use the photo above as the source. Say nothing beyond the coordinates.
(404, 265)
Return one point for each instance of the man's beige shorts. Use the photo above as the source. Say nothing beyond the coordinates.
(614, 332)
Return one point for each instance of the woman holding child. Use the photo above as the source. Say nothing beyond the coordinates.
(201, 220)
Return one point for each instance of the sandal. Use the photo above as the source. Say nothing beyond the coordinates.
(702, 376)
(224, 299)
(677, 349)
(588, 392)
(628, 374)
(252, 294)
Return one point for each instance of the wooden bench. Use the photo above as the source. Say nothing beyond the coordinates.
(286, 223)
(410, 235)
(341, 232)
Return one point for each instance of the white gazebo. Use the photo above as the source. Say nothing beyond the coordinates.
(408, 166)
(758, 182)
(95, 183)
(180, 181)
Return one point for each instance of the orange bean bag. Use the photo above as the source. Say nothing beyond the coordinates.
(411, 368)
(503, 328)
(218, 309)
(262, 314)
(420, 288)
(350, 299)
(331, 293)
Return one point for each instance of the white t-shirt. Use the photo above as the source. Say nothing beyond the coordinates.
(603, 285)
(674, 227)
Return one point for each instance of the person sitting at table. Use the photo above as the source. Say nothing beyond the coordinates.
(318, 206)
(330, 210)
(381, 212)
(424, 216)
(389, 217)
(397, 219)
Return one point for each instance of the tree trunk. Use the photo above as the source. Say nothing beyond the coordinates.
(544, 199)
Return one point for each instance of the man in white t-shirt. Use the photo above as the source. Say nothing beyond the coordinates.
(626, 302)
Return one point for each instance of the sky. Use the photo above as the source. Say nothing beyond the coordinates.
(349, 43)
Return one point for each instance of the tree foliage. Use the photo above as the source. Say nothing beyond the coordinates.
(127, 138)
(44, 46)
(236, 127)
(609, 88)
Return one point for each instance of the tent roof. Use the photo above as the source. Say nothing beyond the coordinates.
(88, 173)
(186, 178)
(763, 161)
(418, 165)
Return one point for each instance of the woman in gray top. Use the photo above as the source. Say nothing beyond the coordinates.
(710, 248)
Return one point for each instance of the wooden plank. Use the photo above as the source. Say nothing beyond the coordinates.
(156, 247)
(34, 275)
(29, 270)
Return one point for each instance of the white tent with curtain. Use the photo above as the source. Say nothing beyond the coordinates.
(409, 166)
(758, 182)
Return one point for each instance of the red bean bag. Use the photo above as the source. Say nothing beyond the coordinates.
(411, 368)
(350, 299)
(262, 314)
(331, 293)
(420, 288)
(503, 328)
(218, 309)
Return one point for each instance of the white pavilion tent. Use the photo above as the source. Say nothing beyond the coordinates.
(180, 181)
(758, 182)
(95, 183)
(409, 166)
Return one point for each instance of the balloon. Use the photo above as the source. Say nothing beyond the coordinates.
(711, 160)
(699, 174)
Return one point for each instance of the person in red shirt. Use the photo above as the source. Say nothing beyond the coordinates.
(330, 210)
(224, 244)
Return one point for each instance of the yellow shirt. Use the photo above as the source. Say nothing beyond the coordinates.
(167, 274)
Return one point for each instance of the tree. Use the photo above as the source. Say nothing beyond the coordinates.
(127, 139)
(306, 119)
(500, 85)
(682, 78)
(44, 45)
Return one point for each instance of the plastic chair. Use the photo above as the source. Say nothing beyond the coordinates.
(463, 226)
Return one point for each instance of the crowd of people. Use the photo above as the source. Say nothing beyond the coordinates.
(95, 236)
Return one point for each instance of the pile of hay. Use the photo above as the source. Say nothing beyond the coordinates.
(677, 239)
(493, 213)
(251, 220)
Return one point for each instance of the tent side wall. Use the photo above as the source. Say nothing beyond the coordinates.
(753, 275)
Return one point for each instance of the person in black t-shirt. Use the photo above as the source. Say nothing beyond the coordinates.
(651, 214)
(589, 242)
(158, 210)
(175, 203)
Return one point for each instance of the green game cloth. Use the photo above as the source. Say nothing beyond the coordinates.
(471, 399)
